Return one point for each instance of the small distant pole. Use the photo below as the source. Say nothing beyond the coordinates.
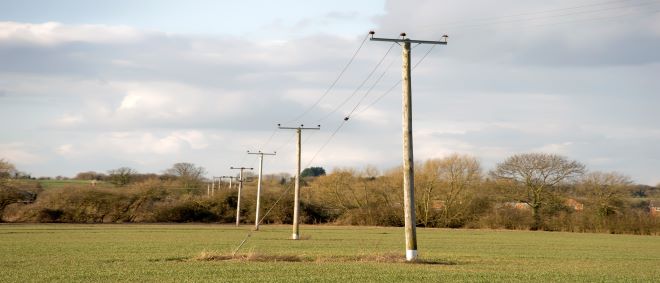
(212, 187)
(261, 165)
(225, 177)
(296, 196)
(208, 190)
(240, 187)
(214, 179)
(408, 162)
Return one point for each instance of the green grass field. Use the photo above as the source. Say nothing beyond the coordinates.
(66, 253)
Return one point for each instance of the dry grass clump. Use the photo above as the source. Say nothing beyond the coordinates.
(251, 256)
(366, 258)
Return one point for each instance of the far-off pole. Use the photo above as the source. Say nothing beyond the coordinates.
(240, 187)
(212, 187)
(261, 166)
(296, 195)
(408, 161)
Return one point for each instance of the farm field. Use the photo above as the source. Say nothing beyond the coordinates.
(167, 252)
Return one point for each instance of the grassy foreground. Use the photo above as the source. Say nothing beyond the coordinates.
(127, 252)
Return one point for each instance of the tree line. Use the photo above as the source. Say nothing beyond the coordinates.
(534, 191)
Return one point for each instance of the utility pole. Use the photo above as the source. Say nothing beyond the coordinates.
(226, 177)
(408, 162)
(213, 180)
(261, 165)
(240, 187)
(212, 187)
(296, 194)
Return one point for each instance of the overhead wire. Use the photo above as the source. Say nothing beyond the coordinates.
(489, 20)
(309, 137)
(269, 139)
(609, 17)
(242, 160)
(341, 125)
(359, 87)
(397, 83)
(369, 91)
(249, 234)
(279, 148)
(495, 22)
(332, 85)
(471, 21)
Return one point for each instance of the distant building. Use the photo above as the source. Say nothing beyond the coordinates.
(518, 205)
(654, 208)
(437, 204)
(576, 205)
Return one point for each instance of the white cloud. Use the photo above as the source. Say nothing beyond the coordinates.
(65, 149)
(158, 100)
(19, 153)
(556, 148)
(168, 101)
(53, 33)
(68, 120)
(148, 143)
(167, 145)
(124, 63)
(129, 101)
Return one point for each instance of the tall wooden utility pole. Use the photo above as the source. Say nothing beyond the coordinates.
(240, 187)
(296, 194)
(261, 165)
(408, 168)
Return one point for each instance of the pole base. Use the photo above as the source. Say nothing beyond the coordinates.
(295, 237)
(411, 255)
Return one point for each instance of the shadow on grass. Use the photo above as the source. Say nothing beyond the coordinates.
(366, 258)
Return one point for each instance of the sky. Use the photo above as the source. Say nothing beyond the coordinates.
(97, 85)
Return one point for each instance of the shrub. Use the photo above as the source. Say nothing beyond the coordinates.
(507, 218)
(188, 211)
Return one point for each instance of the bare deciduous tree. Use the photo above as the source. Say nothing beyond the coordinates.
(7, 169)
(89, 175)
(121, 176)
(535, 174)
(445, 180)
(605, 189)
(190, 175)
